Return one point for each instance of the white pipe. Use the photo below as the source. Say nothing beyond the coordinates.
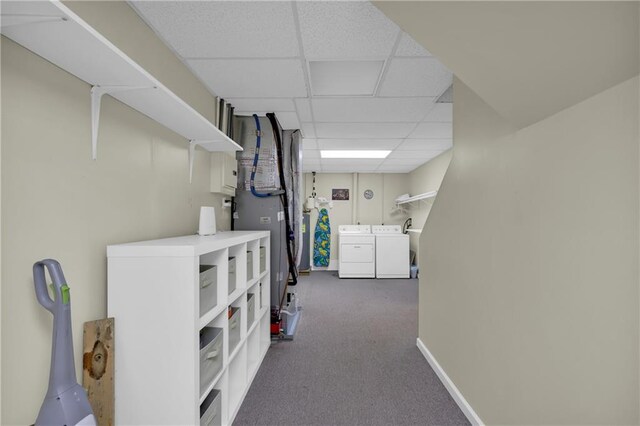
(354, 213)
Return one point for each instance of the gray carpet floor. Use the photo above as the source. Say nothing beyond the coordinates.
(353, 361)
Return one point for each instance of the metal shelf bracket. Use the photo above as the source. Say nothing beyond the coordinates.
(96, 101)
(192, 154)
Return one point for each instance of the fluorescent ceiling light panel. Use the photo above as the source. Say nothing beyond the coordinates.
(358, 143)
(344, 78)
(344, 153)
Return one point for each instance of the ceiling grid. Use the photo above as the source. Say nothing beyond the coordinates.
(256, 55)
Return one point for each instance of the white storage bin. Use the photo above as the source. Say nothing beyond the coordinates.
(210, 355)
(249, 265)
(208, 288)
(232, 274)
(210, 409)
(251, 309)
(234, 328)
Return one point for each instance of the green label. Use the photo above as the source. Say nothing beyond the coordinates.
(65, 294)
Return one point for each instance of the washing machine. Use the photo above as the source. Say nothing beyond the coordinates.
(392, 251)
(357, 255)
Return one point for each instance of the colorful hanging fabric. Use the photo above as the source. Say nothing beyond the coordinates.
(322, 240)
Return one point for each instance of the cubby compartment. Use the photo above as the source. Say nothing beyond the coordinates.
(263, 259)
(249, 265)
(263, 294)
(211, 409)
(212, 294)
(251, 309)
(265, 333)
(208, 287)
(254, 351)
(239, 253)
(211, 355)
(237, 379)
(233, 279)
(234, 328)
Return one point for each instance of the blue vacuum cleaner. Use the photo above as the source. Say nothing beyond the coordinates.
(66, 402)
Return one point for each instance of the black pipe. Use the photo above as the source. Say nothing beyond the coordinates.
(293, 272)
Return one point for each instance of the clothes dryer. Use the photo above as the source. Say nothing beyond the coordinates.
(392, 251)
(357, 255)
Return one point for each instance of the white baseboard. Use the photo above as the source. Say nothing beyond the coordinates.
(451, 387)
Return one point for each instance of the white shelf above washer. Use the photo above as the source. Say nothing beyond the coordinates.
(53, 31)
(424, 196)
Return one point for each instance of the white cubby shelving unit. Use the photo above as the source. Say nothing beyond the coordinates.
(52, 31)
(154, 295)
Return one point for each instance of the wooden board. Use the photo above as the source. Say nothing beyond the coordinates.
(97, 368)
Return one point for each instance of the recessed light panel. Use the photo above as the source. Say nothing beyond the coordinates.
(344, 153)
(344, 78)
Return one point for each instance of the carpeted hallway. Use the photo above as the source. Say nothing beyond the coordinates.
(354, 360)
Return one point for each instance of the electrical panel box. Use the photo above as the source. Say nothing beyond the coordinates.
(224, 173)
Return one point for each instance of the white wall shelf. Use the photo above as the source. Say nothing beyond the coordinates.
(154, 295)
(419, 197)
(53, 31)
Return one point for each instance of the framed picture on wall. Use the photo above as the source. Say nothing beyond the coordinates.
(340, 194)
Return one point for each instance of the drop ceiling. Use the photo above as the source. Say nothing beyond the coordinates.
(258, 55)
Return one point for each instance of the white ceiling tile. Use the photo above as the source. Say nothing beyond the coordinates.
(440, 113)
(344, 78)
(308, 143)
(311, 154)
(260, 104)
(309, 165)
(288, 120)
(363, 130)
(409, 47)
(304, 109)
(358, 143)
(356, 162)
(422, 155)
(401, 165)
(345, 30)
(209, 29)
(350, 165)
(251, 78)
(395, 168)
(409, 161)
(432, 131)
(389, 110)
(415, 77)
(425, 144)
(308, 130)
(356, 170)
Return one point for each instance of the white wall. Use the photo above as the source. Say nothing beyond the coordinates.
(57, 202)
(425, 178)
(380, 209)
(529, 286)
(530, 297)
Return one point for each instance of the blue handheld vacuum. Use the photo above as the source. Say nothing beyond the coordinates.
(66, 402)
